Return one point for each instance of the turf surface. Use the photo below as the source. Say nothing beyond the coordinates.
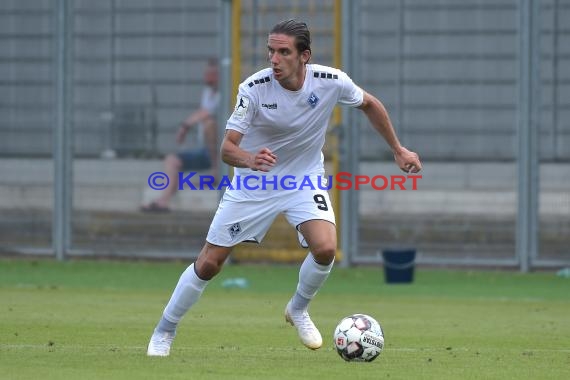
(92, 320)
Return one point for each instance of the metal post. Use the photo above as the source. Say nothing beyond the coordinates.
(225, 67)
(528, 124)
(62, 134)
(350, 137)
(254, 39)
(555, 84)
(400, 72)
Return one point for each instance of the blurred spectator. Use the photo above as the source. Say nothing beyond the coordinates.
(205, 156)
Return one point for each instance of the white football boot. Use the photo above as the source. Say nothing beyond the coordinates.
(308, 332)
(160, 343)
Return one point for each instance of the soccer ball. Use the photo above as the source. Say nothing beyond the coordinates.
(359, 338)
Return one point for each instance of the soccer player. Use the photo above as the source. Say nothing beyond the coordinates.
(278, 128)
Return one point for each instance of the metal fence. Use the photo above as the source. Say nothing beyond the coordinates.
(112, 79)
(474, 87)
(448, 71)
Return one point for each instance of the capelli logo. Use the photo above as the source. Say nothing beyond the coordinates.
(272, 106)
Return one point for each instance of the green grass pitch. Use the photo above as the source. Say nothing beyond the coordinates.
(92, 320)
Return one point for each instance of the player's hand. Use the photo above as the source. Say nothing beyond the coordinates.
(407, 160)
(264, 160)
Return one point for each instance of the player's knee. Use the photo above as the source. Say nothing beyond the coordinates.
(208, 268)
(210, 262)
(324, 253)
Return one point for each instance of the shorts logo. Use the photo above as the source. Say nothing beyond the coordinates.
(234, 230)
(241, 107)
(313, 100)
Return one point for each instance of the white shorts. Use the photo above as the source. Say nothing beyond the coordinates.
(241, 218)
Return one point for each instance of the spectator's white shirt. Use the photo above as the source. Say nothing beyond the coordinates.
(209, 101)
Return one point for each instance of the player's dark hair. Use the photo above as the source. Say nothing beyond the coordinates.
(296, 29)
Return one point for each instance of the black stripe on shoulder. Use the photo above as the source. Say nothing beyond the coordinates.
(324, 75)
(259, 81)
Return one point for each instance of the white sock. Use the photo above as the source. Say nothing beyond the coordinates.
(311, 277)
(187, 292)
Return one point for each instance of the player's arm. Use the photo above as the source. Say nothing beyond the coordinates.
(378, 116)
(233, 155)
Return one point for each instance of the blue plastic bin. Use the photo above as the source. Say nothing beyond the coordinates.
(399, 265)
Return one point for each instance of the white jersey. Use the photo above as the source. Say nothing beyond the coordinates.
(292, 124)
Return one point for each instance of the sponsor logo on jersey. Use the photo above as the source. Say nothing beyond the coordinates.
(269, 106)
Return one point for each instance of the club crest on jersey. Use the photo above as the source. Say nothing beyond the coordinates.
(313, 100)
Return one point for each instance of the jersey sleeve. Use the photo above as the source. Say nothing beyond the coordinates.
(350, 94)
(244, 111)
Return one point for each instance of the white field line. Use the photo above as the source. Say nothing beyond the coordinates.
(235, 348)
